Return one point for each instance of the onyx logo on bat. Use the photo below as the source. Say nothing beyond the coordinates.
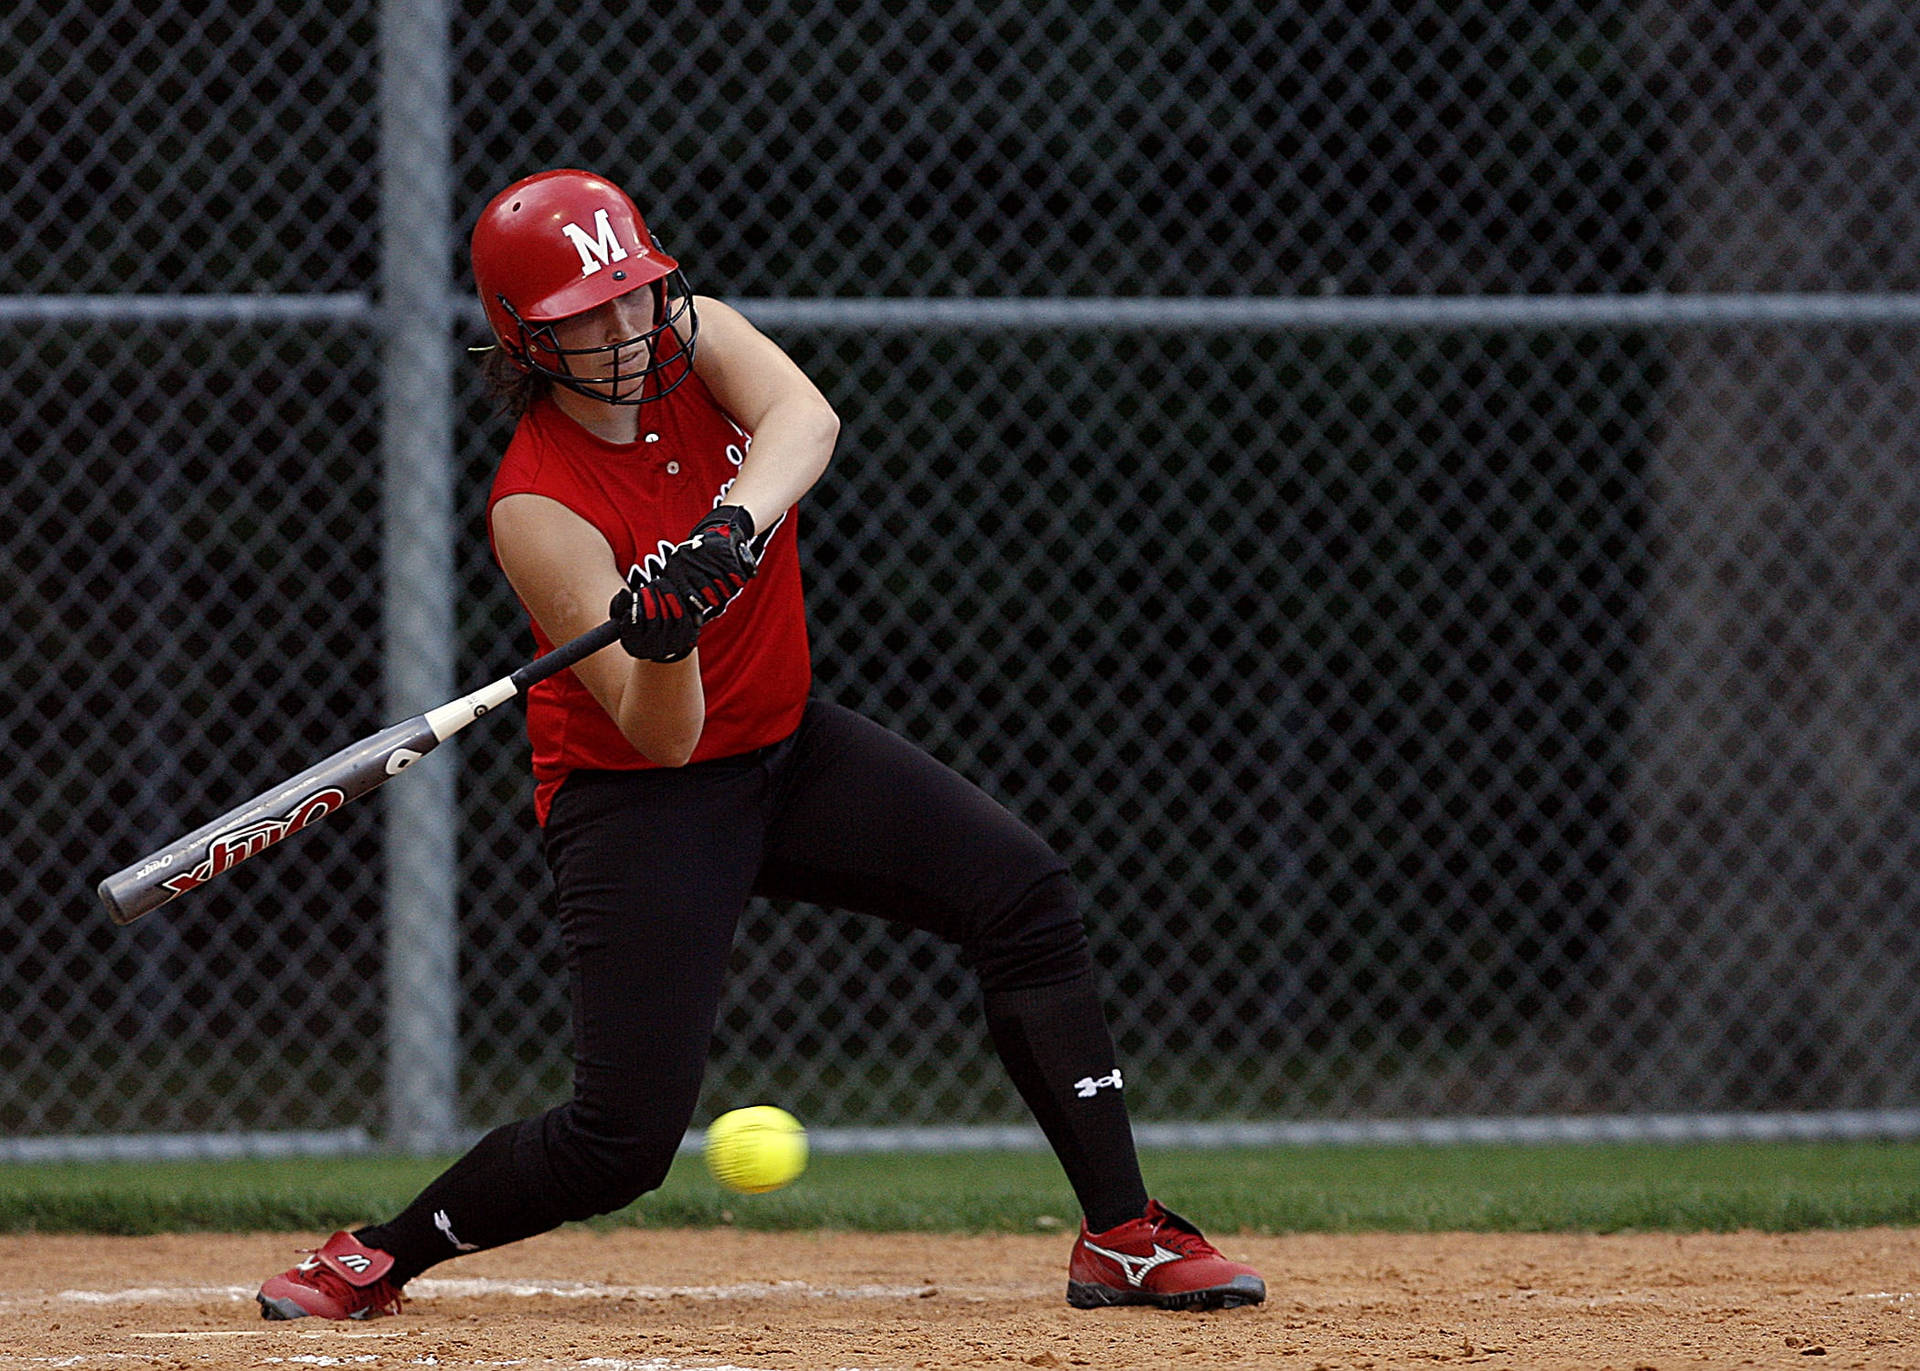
(229, 849)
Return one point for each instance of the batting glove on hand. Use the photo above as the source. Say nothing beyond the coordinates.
(714, 564)
(655, 626)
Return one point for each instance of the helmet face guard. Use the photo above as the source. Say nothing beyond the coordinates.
(564, 243)
(536, 348)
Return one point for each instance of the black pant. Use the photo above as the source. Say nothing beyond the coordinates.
(652, 870)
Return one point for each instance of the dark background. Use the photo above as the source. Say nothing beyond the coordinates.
(1322, 652)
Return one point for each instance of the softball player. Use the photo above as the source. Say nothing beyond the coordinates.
(661, 447)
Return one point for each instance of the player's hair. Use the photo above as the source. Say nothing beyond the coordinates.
(512, 389)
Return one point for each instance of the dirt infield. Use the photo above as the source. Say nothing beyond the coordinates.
(663, 1301)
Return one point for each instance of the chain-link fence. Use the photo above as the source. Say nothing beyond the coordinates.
(1417, 501)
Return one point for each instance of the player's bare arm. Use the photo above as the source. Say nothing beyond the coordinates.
(793, 427)
(565, 573)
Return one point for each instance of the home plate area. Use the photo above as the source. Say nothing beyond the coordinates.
(655, 1300)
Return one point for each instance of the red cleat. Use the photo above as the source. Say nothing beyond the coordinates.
(343, 1279)
(1158, 1259)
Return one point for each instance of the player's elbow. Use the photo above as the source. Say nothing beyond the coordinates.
(826, 423)
(664, 737)
(675, 757)
(662, 710)
(816, 424)
(666, 747)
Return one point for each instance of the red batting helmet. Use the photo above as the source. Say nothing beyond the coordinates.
(564, 242)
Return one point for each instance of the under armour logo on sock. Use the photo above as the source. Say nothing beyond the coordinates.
(445, 1225)
(1089, 1086)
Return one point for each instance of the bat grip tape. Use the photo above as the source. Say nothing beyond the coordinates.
(565, 655)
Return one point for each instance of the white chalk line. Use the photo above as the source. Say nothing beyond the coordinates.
(740, 1290)
(426, 1290)
(83, 1359)
(467, 1287)
(332, 1333)
(350, 1360)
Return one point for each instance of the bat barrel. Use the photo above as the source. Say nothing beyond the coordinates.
(266, 819)
(319, 790)
(109, 896)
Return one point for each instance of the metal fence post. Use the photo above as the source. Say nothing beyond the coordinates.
(416, 215)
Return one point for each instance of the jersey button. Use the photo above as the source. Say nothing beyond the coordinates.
(653, 437)
(673, 468)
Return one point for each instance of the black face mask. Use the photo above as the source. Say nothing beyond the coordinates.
(672, 308)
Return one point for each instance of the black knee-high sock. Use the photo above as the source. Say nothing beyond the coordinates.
(1054, 1042)
(484, 1200)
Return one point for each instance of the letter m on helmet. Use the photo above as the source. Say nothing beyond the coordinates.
(598, 251)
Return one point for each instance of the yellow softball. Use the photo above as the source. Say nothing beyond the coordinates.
(757, 1149)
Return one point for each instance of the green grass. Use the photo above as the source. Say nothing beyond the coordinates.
(1602, 1188)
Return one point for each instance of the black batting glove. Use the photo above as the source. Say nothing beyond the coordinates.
(655, 624)
(714, 564)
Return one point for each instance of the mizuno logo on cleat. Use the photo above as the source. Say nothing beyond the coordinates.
(354, 1262)
(1135, 1267)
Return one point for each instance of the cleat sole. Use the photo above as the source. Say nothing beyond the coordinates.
(283, 1307)
(1237, 1293)
(279, 1308)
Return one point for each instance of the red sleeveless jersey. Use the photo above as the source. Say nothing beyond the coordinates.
(644, 497)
